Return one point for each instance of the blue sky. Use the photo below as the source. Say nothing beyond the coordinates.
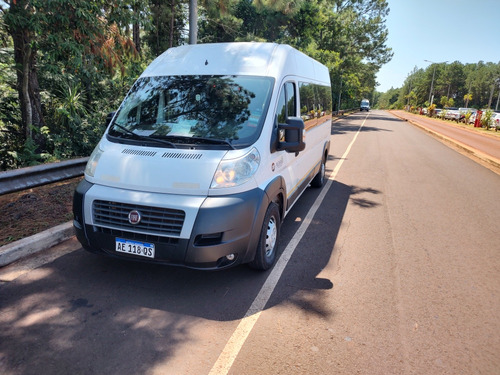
(439, 30)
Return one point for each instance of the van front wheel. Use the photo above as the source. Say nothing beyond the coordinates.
(319, 179)
(266, 252)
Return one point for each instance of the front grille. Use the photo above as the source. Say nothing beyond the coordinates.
(154, 220)
(138, 236)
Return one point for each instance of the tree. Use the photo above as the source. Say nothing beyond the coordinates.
(62, 41)
(389, 99)
(467, 98)
(21, 20)
(219, 22)
(447, 102)
(75, 59)
(168, 22)
(356, 30)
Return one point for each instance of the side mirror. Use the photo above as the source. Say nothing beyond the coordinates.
(294, 132)
(109, 117)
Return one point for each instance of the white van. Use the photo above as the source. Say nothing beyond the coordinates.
(206, 155)
(365, 105)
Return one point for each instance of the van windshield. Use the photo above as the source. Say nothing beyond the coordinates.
(181, 109)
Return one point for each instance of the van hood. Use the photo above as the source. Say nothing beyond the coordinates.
(159, 170)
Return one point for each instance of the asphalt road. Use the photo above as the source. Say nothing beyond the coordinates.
(396, 270)
(485, 144)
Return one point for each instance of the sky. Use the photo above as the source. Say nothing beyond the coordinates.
(439, 30)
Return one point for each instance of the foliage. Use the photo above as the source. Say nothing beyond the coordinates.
(77, 49)
(456, 84)
(447, 102)
(467, 116)
(431, 109)
(65, 64)
(389, 100)
(487, 119)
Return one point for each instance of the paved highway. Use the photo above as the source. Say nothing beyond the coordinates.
(392, 268)
(484, 144)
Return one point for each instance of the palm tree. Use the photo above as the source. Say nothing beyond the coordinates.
(467, 97)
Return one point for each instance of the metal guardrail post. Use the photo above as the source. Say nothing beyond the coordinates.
(26, 178)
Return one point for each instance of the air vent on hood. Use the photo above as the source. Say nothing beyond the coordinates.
(178, 155)
(139, 152)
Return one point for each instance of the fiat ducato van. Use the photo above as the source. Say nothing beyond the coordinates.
(206, 155)
(365, 105)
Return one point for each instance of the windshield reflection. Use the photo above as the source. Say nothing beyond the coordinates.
(229, 108)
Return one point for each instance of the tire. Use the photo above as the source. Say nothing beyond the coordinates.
(319, 180)
(267, 249)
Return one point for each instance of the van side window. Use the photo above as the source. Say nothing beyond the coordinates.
(315, 104)
(281, 110)
(291, 102)
(287, 107)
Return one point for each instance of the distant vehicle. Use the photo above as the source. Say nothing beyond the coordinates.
(365, 105)
(495, 119)
(451, 113)
(463, 111)
(472, 117)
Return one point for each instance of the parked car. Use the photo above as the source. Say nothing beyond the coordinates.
(464, 111)
(496, 121)
(451, 113)
(472, 118)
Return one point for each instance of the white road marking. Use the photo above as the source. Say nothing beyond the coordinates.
(239, 336)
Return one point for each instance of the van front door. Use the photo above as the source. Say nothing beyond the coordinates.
(294, 169)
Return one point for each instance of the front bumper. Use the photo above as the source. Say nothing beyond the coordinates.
(224, 226)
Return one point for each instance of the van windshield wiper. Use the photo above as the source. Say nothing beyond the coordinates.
(144, 138)
(201, 140)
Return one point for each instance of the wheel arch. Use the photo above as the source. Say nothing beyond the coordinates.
(275, 191)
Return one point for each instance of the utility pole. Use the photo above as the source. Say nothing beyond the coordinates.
(193, 21)
(497, 81)
(340, 94)
(431, 92)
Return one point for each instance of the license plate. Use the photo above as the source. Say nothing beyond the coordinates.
(143, 249)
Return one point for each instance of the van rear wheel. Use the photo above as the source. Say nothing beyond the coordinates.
(267, 249)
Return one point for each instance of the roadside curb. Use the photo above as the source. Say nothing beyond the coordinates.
(44, 240)
(491, 161)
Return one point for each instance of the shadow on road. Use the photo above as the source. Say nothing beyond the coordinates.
(351, 124)
(85, 312)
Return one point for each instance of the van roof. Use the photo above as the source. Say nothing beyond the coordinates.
(244, 58)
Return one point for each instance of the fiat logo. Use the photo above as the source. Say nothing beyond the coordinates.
(134, 217)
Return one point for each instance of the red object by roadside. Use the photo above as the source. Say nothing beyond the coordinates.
(477, 121)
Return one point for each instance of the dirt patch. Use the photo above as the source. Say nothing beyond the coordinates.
(31, 211)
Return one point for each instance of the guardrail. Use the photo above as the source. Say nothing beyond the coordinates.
(343, 111)
(26, 178)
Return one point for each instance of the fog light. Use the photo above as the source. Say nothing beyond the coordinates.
(226, 260)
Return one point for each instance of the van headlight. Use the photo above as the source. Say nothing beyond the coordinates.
(234, 172)
(93, 160)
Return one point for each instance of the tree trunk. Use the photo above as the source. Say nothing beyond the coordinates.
(27, 77)
(136, 29)
(172, 19)
(491, 96)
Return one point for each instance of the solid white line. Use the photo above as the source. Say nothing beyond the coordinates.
(239, 336)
